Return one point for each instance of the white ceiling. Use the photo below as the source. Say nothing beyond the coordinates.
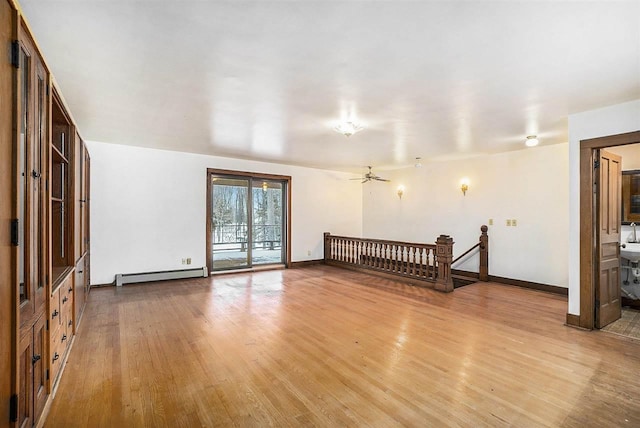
(269, 80)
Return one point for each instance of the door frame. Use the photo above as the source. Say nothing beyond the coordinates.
(287, 214)
(588, 199)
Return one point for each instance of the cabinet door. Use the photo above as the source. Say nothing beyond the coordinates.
(31, 161)
(25, 378)
(79, 287)
(40, 341)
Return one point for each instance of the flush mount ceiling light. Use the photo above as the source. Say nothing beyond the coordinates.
(348, 128)
(531, 141)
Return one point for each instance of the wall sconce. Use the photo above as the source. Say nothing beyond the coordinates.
(400, 191)
(464, 186)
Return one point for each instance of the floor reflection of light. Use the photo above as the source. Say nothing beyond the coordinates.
(402, 337)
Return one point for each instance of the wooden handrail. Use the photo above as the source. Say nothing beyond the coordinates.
(425, 263)
(483, 244)
(465, 253)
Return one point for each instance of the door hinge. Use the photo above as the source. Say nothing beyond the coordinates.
(15, 235)
(13, 408)
(47, 374)
(15, 54)
(47, 89)
(47, 325)
(596, 164)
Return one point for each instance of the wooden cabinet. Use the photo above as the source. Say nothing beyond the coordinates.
(44, 189)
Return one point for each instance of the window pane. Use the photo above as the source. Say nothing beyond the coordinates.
(22, 171)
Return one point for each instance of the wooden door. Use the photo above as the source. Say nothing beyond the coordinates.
(608, 202)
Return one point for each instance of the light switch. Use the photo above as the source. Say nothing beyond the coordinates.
(514, 222)
(508, 222)
(490, 222)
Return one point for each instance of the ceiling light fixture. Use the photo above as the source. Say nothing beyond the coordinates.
(418, 162)
(348, 128)
(531, 141)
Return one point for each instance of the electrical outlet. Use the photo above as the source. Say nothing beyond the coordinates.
(184, 261)
(308, 252)
(508, 222)
(188, 260)
(514, 222)
(490, 222)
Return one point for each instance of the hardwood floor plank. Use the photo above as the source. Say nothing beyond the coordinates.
(322, 346)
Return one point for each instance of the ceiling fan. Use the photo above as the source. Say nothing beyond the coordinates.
(369, 176)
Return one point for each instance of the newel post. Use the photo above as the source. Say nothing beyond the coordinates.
(484, 254)
(444, 256)
(327, 246)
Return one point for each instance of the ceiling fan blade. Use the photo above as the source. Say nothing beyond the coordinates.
(365, 180)
(381, 179)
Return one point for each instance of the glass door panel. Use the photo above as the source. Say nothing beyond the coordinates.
(229, 223)
(267, 220)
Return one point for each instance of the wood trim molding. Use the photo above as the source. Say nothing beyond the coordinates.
(306, 263)
(562, 291)
(573, 320)
(587, 219)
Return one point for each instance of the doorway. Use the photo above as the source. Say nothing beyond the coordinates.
(248, 220)
(596, 279)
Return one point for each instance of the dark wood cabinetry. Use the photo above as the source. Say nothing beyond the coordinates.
(44, 189)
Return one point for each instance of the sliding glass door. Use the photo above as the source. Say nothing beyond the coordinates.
(247, 221)
(229, 221)
(266, 224)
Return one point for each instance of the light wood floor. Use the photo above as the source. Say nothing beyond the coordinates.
(322, 346)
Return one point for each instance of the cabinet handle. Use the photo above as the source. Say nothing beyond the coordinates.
(64, 300)
(69, 323)
(35, 359)
(56, 357)
(35, 174)
(64, 337)
(70, 290)
(55, 313)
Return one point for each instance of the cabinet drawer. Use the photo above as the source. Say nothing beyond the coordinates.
(54, 311)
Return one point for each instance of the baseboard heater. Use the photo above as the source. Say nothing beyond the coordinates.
(130, 278)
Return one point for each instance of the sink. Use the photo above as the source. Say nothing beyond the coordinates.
(631, 252)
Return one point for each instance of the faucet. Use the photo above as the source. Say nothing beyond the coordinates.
(635, 238)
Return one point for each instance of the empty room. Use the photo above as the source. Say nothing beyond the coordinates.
(319, 213)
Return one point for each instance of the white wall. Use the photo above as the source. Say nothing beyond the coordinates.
(529, 185)
(148, 208)
(602, 122)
